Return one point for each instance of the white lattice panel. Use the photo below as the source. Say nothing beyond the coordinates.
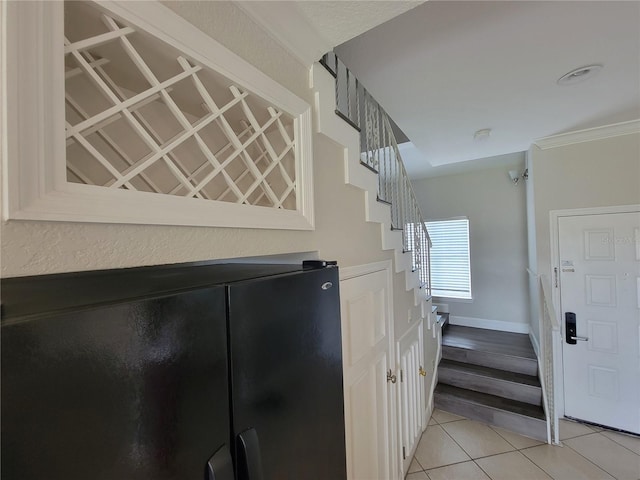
(142, 116)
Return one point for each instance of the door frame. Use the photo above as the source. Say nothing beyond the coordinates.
(348, 273)
(554, 218)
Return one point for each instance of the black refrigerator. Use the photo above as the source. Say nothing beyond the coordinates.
(215, 372)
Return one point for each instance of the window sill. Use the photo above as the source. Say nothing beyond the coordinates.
(440, 299)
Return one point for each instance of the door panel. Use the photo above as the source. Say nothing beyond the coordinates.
(136, 390)
(369, 398)
(599, 271)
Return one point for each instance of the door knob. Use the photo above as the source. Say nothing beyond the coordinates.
(391, 377)
(422, 372)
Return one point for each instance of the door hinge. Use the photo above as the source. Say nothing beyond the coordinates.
(555, 273)
(404, 453)
(401, 376)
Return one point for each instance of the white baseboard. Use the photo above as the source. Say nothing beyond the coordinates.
(489, 324)
(536, 345)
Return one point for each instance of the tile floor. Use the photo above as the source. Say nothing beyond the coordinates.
(455, 448)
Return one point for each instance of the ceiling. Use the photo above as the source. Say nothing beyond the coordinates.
(445, 69)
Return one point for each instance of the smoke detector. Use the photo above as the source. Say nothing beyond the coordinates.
(579, 75)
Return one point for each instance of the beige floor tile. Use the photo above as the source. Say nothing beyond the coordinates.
(417, 476)
(415, 466)
(459, 471)
(608, 455)
(508, 466)
(632, 443)
(445, 417)
(518, 441)
(563, 463)
(432, 421)
(477, 439)
(437, 448)
(570, 429)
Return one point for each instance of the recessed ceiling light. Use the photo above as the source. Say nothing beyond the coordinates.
(579, 75)
(483, 134)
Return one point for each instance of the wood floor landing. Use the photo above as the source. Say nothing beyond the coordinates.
(490, 341)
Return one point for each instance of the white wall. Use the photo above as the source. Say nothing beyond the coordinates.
(596, 173)
(498, 241)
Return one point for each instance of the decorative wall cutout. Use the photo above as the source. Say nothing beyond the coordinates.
(178, 129)
(162, 124)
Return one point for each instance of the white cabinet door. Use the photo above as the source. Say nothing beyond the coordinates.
(600, 286)
(412, 399)
(367, 339)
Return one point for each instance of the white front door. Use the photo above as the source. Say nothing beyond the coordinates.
(600, 288)
(367, 339)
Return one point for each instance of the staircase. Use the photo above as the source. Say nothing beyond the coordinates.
(492, 377)
(373, 164)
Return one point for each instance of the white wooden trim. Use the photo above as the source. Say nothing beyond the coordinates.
(589, 134)
(554, 239)
(359, 270)
(283, 22)
(33, 137)
(489, 324)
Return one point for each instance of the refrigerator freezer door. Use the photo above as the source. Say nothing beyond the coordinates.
(134, 391)
(220, 466)
(286, 363)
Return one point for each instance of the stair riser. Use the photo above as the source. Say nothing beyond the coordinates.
(480, 383)
(502, 362)
(530, 427)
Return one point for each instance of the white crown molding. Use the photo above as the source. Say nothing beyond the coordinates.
(589, 134)
(289, 27)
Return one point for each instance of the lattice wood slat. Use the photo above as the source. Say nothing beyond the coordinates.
(150, 131)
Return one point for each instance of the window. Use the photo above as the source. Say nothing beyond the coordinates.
(450, 259)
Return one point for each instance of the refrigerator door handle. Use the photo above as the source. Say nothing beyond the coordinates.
(249, 457)
(220, 465)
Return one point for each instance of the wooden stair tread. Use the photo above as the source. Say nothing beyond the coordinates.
(495, 373)
(490, 341)
(491, 401)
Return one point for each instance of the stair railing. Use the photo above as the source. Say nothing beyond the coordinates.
(550, 345)
(380, 153)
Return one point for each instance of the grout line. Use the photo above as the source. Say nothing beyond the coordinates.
(498, 433)
(540, 467)
(482, 470)
(589, 460)
(454, 441)
(565, 446)
(615, 441)
(449, 465)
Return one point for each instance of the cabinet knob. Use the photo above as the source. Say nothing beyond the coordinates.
(391, 377)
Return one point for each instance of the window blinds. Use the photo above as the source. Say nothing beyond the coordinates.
(450, 259)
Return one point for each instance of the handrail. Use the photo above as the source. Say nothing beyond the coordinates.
(546, 292)
(550, 344)
(380, 153)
